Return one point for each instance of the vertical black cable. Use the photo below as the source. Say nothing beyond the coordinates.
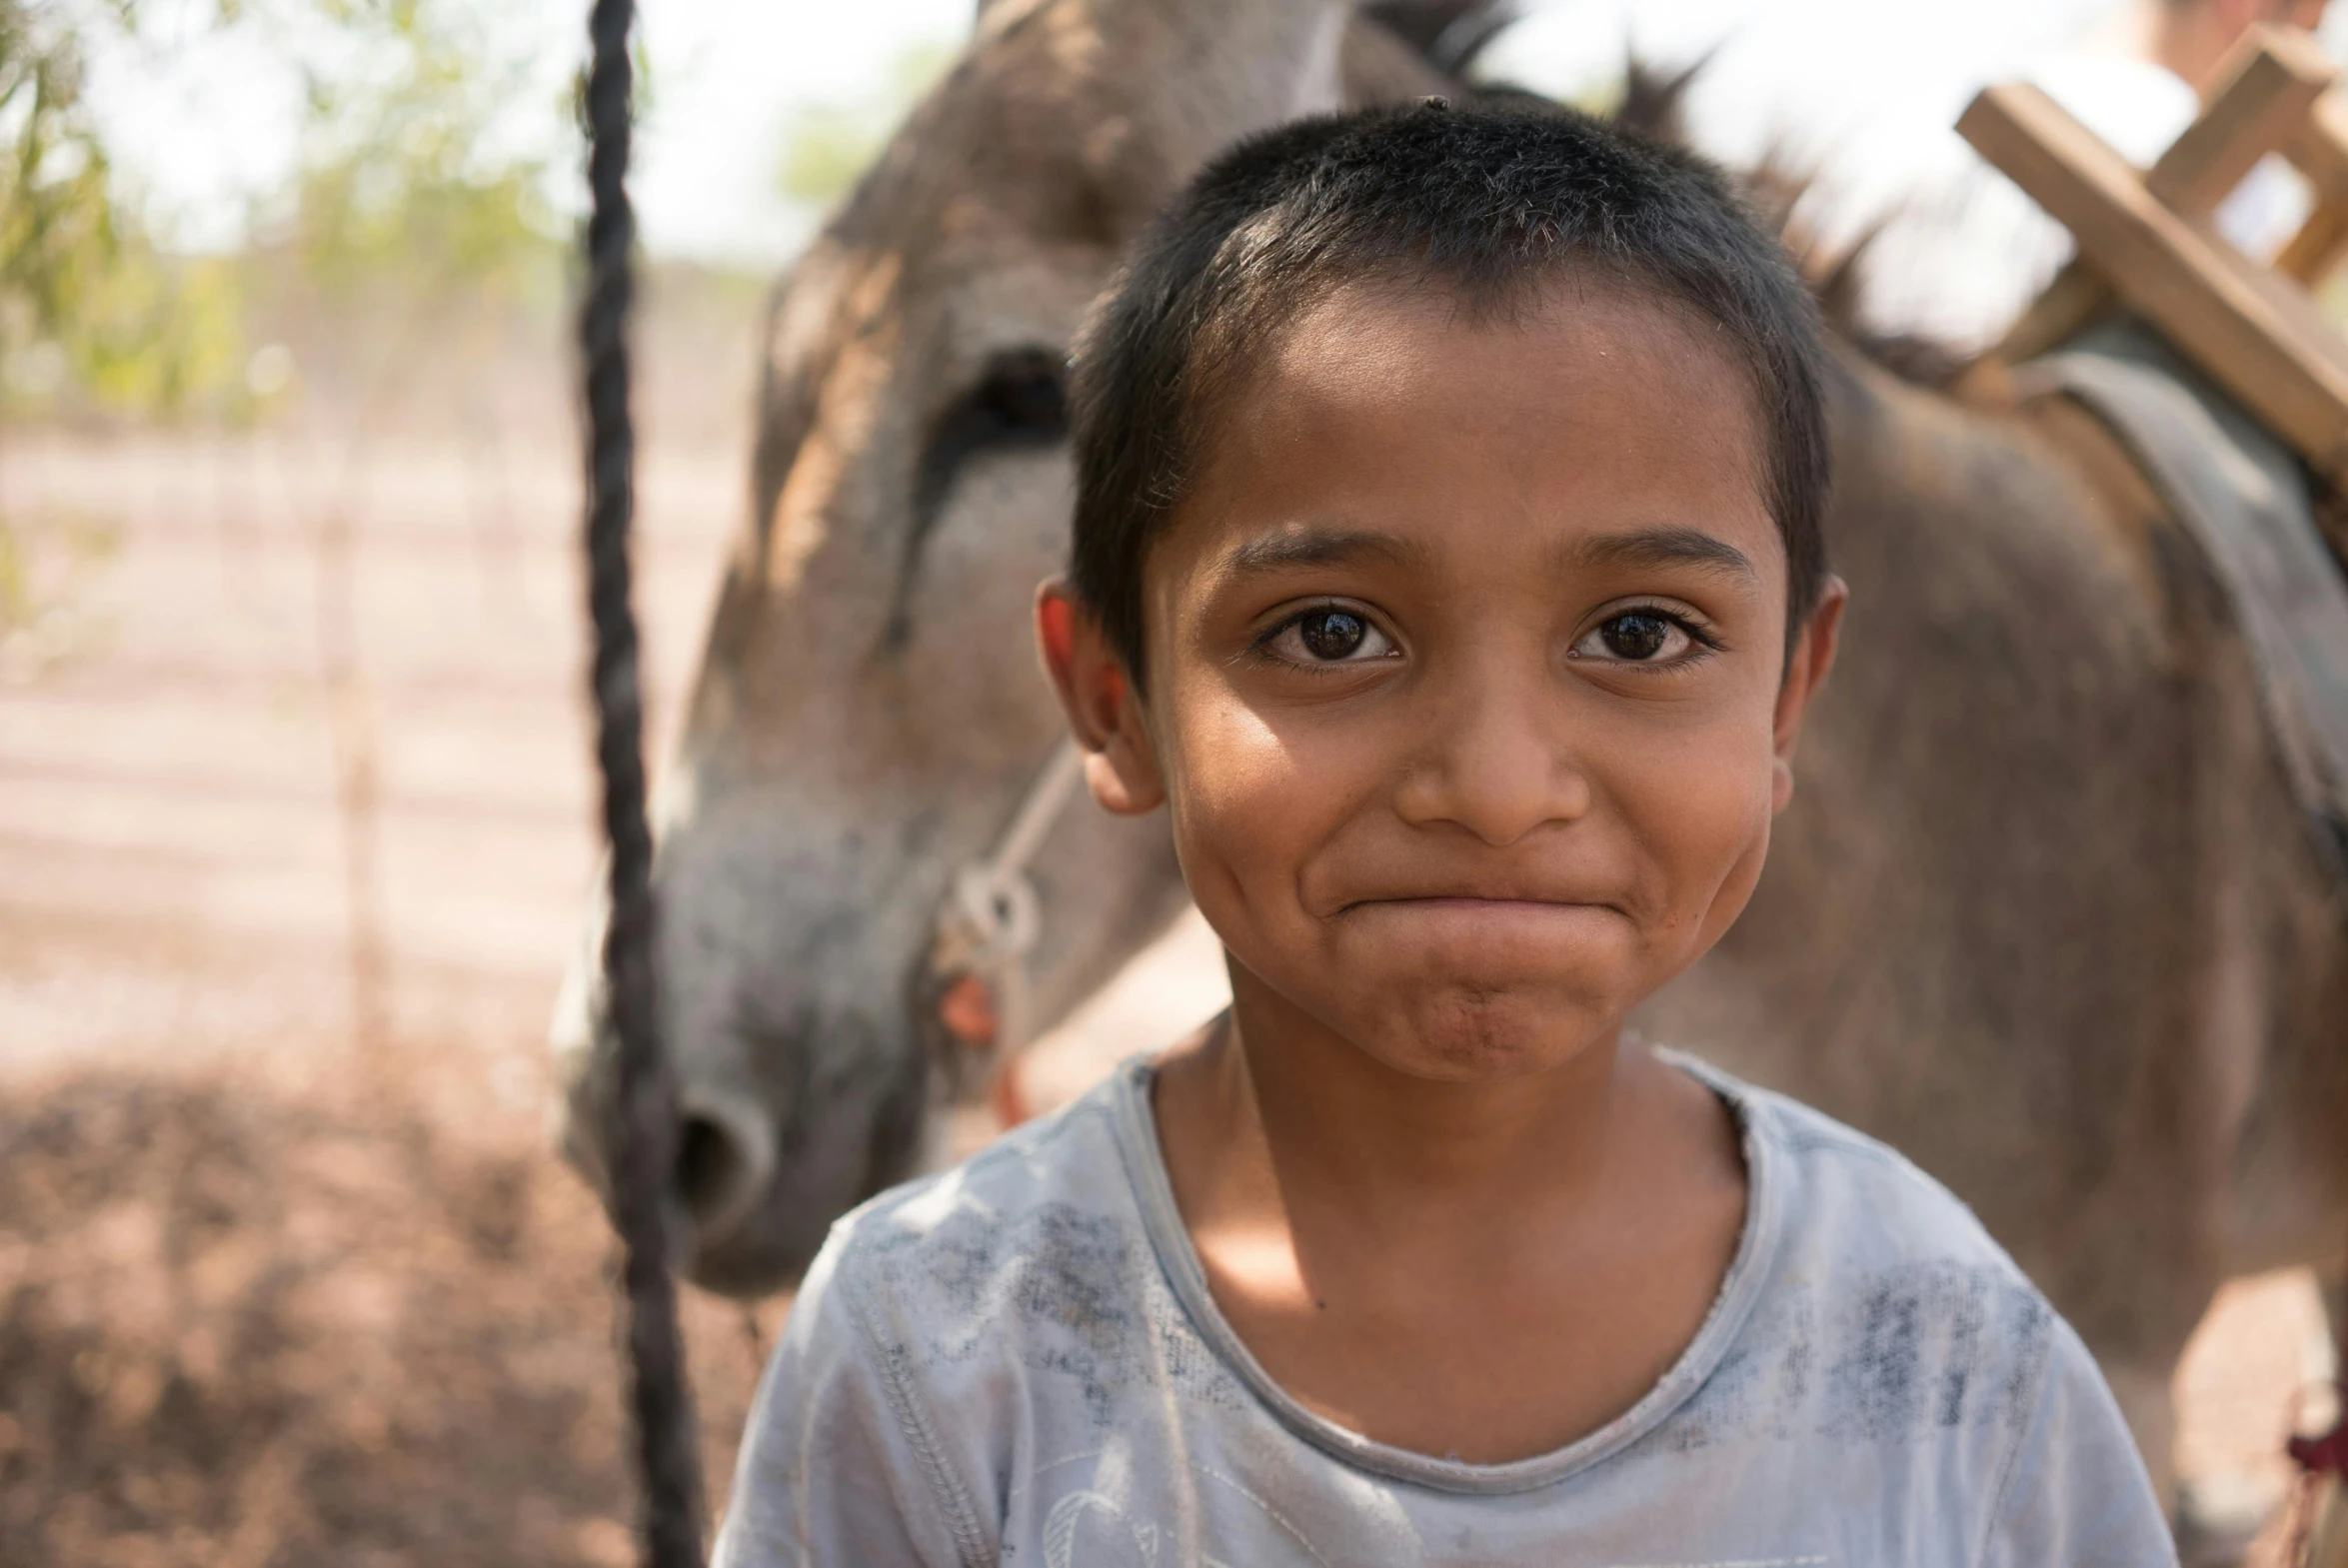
(645, 1110)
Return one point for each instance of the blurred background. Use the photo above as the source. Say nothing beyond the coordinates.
(295, 821)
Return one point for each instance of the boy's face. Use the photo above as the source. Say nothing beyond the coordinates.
(1464, 663)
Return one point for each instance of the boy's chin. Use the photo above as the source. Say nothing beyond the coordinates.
(1482, 1034)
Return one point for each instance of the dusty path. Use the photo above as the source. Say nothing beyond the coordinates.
(294, 824)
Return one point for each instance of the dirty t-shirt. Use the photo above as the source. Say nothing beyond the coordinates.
(1018, 1362)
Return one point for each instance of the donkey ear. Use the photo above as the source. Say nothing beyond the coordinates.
(1143, 92)
(1219, 70)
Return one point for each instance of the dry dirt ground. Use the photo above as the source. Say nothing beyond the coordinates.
(293, 834)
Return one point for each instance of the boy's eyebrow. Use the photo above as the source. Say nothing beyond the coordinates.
(1313, 547)
(1660, 546)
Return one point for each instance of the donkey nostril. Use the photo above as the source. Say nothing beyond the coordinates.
(723, 1167)
(710, 1167)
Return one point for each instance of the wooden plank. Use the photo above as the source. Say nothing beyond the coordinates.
(2056, 317)
(2320, 150)
(2093, 192)
(2250, 330)
(2263, 93)
(2321, 244)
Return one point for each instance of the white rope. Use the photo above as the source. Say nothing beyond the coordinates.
(991, 920)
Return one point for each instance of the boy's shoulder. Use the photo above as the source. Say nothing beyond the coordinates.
(1851, 1192)
(1070, 1164)
(1889, 1326)
(1032, 1253)
(1883, 1300)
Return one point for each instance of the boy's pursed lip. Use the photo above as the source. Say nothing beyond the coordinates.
(1476, 903)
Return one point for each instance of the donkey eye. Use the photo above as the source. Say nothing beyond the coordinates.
(1023, 395)
(1018, 402)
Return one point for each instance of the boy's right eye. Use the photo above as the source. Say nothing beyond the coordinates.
(1330, 637)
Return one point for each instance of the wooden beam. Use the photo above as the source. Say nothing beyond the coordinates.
(2262, 97)
(2320, 152)
(2075, 297)
(2320, 149)
(2254, 332)
(2321, 244)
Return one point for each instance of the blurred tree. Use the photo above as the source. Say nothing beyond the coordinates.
(54, 211)
(429, 149)
(86, 301)
(424, 171)
(420, 204)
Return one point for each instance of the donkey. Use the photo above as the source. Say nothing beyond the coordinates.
(2044, 914)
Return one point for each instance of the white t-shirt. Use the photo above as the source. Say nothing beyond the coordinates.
(1018, 1362)
(1965, 251)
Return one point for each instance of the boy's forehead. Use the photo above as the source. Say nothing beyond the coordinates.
(1284, 545)
(1589, 409)
(1516, 353)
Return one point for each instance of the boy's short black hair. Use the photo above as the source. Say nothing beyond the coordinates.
(1489, 203)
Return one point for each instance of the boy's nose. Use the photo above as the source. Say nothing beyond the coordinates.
(1492, 769)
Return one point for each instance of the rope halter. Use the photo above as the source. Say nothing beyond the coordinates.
(990, 922)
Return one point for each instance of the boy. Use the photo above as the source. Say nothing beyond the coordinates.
(1447, 562)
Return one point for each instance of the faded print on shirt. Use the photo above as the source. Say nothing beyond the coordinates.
(1018, 1362)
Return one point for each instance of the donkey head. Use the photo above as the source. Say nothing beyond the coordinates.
(868, 716)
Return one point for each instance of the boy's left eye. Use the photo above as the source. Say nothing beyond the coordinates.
(1635, 637)
(1330, 637)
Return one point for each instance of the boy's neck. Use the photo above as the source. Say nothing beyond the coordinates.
(1488, 1270)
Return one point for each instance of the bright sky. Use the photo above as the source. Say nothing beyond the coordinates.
(1863, 89)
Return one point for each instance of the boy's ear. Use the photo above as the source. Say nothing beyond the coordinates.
(1103, 713)
(1806, 672)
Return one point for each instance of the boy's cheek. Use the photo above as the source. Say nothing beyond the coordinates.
(1234, 776)
(1251, 806)
(1703, 792)
(1702, 818)
(1242, 829)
